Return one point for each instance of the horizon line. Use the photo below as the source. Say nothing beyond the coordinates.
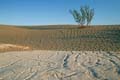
(56, 24)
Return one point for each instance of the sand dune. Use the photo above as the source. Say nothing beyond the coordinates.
(61, 37)
(60, 65)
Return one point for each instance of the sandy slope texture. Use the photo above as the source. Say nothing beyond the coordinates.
(57, 37)
(60, 65)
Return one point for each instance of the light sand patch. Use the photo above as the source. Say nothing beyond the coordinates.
(12, 46)
(60, 65)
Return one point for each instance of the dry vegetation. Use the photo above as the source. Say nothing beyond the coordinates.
(64, 37)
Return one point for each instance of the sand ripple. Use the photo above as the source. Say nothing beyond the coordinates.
(60, 65)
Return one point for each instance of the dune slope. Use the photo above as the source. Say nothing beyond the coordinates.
(105, 38)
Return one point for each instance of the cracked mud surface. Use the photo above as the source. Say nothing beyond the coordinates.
(60, 65)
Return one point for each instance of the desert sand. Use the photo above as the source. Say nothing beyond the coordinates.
(8, 46)
(59, 65)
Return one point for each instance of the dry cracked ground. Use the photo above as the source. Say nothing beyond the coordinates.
(60, 65)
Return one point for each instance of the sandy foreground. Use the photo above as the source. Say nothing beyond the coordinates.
(60, 65)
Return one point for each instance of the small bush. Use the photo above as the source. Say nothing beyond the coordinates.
(85, 15)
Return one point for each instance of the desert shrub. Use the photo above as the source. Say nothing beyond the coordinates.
(77, 16)
(84, 15)
(88, 12)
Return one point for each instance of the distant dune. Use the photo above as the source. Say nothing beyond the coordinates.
(62, 37)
